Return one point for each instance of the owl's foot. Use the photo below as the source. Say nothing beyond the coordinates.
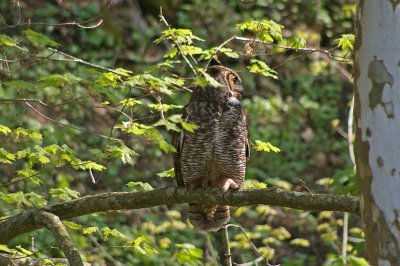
(210, 211)
(227, 183)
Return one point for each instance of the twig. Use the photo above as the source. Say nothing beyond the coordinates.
(78, 60)
(218, 49)
(74, 23)
(19, 18)
(211, 249)
(54, 224)
(292, 58)
(254, 40)
(345, 234)
(67, 125)
(177, 44)
(350, 132)
(226, 248)
(253, 247)
(250, 263)
(161, 107)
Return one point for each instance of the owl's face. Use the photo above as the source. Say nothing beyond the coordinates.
(229, 78)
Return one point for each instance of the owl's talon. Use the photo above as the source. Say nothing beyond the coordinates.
(228, 183)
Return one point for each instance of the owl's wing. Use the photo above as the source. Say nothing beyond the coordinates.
(178, 142)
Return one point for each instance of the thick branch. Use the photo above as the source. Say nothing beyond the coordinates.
(25, 221)
(54, 224)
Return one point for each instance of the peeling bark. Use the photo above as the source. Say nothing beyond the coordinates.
(377, 116)
(26, 222)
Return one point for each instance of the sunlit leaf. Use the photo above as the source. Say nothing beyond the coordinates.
(167, 173)
(346, 42)
(6, 41)
(139, 186)
(73, 225)
(38, 39)
(64, 194)
(5, 130)
(260, 67)
(265, 146)
(90, 230)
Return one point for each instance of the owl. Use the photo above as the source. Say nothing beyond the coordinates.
(216, 153)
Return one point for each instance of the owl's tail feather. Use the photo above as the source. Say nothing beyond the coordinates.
(208, 218)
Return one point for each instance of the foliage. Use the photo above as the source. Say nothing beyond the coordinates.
(72, 124)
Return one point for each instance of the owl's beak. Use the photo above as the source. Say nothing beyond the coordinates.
(239, 87)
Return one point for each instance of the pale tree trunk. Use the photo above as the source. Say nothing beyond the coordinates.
(377, 116)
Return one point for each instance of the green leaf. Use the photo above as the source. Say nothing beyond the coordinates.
(165, 107)
(265, 146)
(139, 186)
(38, 39)
(20, 85)
(27, 172)
(167, 173)
(127, 155)
(111, 232)
(5, 130)
(265, 30)
(4, 248)
(260, 67)
(73, 225)
(188, 253)
(346, 42)
(6, 157)
(165, 146)
(108, 79)
(168, 124)
(20, 133)
(34, 199)
(356, 261)
(24, 251)
(92, 166)
(55, 80)
(301, 242)
(189, 126)
(124, 72)
(90, 230)
(142, 246)
(178, 36)
(130, 102)
(206, 80)
(64, 194)
(296, 41)
(6, 41)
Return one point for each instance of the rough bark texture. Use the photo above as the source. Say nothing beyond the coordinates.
(54, 224)
(377, 116)
(26, 222)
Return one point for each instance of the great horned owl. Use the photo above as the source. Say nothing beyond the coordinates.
(215, 155)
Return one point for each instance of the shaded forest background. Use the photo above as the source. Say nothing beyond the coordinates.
(304, 112)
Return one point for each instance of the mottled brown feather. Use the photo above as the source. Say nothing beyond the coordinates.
(215, 155)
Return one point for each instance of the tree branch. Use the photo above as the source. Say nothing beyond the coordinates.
(9, 259)
(25, 222)
(54, 224)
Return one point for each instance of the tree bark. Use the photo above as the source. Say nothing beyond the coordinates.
(54, 224)
(377, 116)
(25, 222)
